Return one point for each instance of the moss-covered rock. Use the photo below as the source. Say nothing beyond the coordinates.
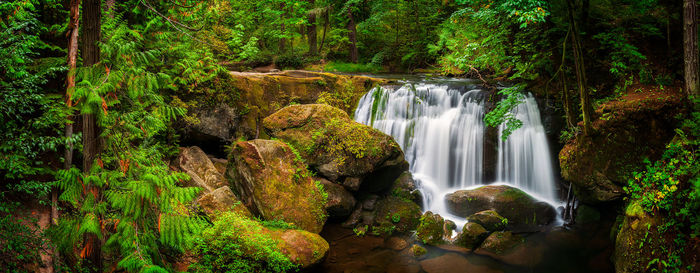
(431, 229)
(524, 213)
(471, 236)
(489, 219)
(628, 130)
(637, 241)
(339, 148)
(512, 249)
(275, 184)
(395, 214)
(236, 243)
(417, 251)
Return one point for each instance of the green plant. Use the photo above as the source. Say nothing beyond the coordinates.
(503, 113)
(237, 244)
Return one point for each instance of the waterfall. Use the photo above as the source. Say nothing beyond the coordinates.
(441, 131)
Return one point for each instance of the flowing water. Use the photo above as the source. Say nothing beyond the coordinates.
(441, 130)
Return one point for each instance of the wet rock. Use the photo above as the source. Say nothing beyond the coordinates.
(402, 214)
(368, 217)
(274, 184)
(354, 218)
(338, 147)
(511, 249)
(340, 202)
(489, 219)
(352, 183)
(417, 251)
(202, 172)
(453, 262)
(454, 248)
(396, 243)
(447, 229)
(524, 213)
(471, 236)
(430, 230)
(222, 200)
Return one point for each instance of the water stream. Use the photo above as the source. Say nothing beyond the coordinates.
(440, 127)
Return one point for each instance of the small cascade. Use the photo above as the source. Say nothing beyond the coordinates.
(441, 131)
(524, 159)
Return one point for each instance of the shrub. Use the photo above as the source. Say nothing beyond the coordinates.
(238, 244)
(290, 60)
(20, 244)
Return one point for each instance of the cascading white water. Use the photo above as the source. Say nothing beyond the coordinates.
(524, 159)
(441, 132)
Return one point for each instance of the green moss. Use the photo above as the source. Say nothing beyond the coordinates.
(430, 230)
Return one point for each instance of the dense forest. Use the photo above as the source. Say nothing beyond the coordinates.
(220, 135)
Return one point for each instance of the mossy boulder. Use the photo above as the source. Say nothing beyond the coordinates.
(396, 214)
(200, 169)
(524, 213)
(431, 229)
(338, 148)
(275, 184)
(302, 247)
(637, 241)
(489, 219)
(628, 130)
(471, 236)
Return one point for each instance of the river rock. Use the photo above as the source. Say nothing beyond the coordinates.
(511, 249)
(302, 247)
(471, 236)
(337, 147)
(431, 229)
(202, 172)
(400, 213)
(524, 213)
(488, 219)
(273, 183)
(340, 202)
(214, 124)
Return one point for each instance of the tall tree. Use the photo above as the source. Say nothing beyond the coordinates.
(586, 107)
(352, 34)
(690, 47)
(311, 29)
(92, 18)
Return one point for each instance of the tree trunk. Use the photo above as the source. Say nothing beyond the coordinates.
(352, 35)
(283, 40)
(92, 18)
(311, 31)
(586, 107)
(690, 47)
(326, 24)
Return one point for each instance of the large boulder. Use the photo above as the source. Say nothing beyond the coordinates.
(524, 213)
(471, 236)
(302, 247)
(489, 219)
(338, 148)
(630, 129)
(638, 240)
(275, 184)
(431, 229)
(396, 214)
(202, 172)
(221, 200)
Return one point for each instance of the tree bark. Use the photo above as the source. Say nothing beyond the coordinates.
(586, 107)
(352, 35)
(283, 41)
(311, 31)
(92, 18)
(690, 47)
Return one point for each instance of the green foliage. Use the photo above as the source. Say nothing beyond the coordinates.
(502, 114)
(670, 188)
(292, 60)
(238, 244)
(31, 116)
(351, 67)
(20, 241)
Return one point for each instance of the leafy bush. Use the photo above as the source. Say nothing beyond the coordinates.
(20, 243)
(290, 60)
(238, 244)
(352, 67)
